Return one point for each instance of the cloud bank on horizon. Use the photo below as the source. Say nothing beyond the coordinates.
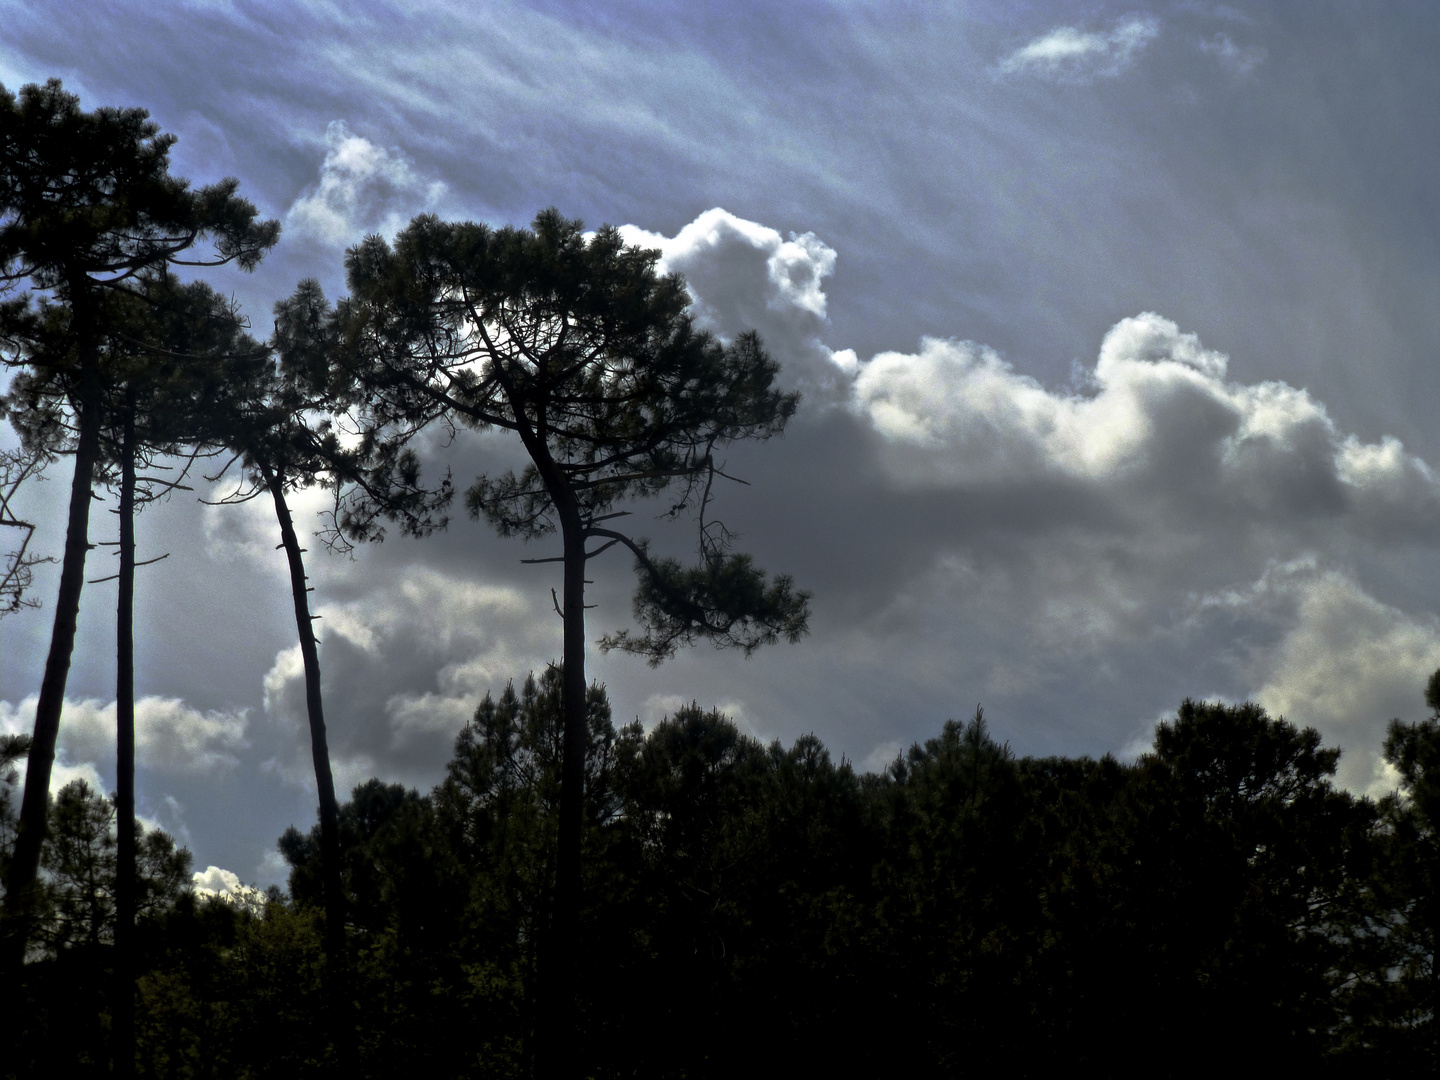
(1140, 491)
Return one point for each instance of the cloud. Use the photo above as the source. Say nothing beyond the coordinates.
(1158, 419)
(1156, 412)
(273, 868)
(62, 773)
(215, 883)
(658, 707)
(663, 706)
(247, 530)
(1074, 517)
(169, 735)
(214, 880)
(1240, 60)
(1346, 665)
(882, 756)
(1082, 518)
(20, 720)
(403, 669)
(746, 276)
(1070, 55)
(1154, 503)
(169, 816)
(363, 188)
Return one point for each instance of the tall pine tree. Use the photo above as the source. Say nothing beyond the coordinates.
(87, 208)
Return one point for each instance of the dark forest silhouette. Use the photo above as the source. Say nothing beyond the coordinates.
(573, 899)
(966, 911)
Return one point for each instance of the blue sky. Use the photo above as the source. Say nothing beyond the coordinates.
(1116, 326)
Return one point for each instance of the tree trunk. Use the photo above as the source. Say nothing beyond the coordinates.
(20, 882)
(1432, 879)
(125, 868)
(335, 954)
(557, 1032)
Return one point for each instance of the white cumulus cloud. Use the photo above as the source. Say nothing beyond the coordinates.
(169, 735)
(1085, 515)
(747, 276)
(1089, 514)
(215, 883)
(1347, 665)
(363, 188)
(63, 772)
(248, 531)
(1159, 418)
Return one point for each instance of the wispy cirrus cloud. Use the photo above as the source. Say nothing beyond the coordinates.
(1239, 60)
(1071, 55)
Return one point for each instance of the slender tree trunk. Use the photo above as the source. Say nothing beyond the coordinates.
(18, 914)
(125, 868)
(335, 955)
(1434, 906)
(557, 1032)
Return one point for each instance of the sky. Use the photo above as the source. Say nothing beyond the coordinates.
(1115, 326)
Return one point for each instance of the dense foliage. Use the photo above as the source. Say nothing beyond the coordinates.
(965, 911)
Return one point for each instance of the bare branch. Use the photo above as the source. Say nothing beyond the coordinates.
(113, 577)
(17, 569)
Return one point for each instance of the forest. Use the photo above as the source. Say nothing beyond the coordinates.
(577, 899)
(965, 912)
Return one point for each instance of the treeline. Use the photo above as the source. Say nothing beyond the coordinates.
(1217, 904)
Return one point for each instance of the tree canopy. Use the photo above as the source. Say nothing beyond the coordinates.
(748, 903)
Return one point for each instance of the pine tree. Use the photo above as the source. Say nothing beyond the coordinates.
(88, 209)
(578, 346)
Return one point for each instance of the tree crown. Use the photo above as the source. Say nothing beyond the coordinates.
(89, 194)
(574, 341)
(578, 344)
